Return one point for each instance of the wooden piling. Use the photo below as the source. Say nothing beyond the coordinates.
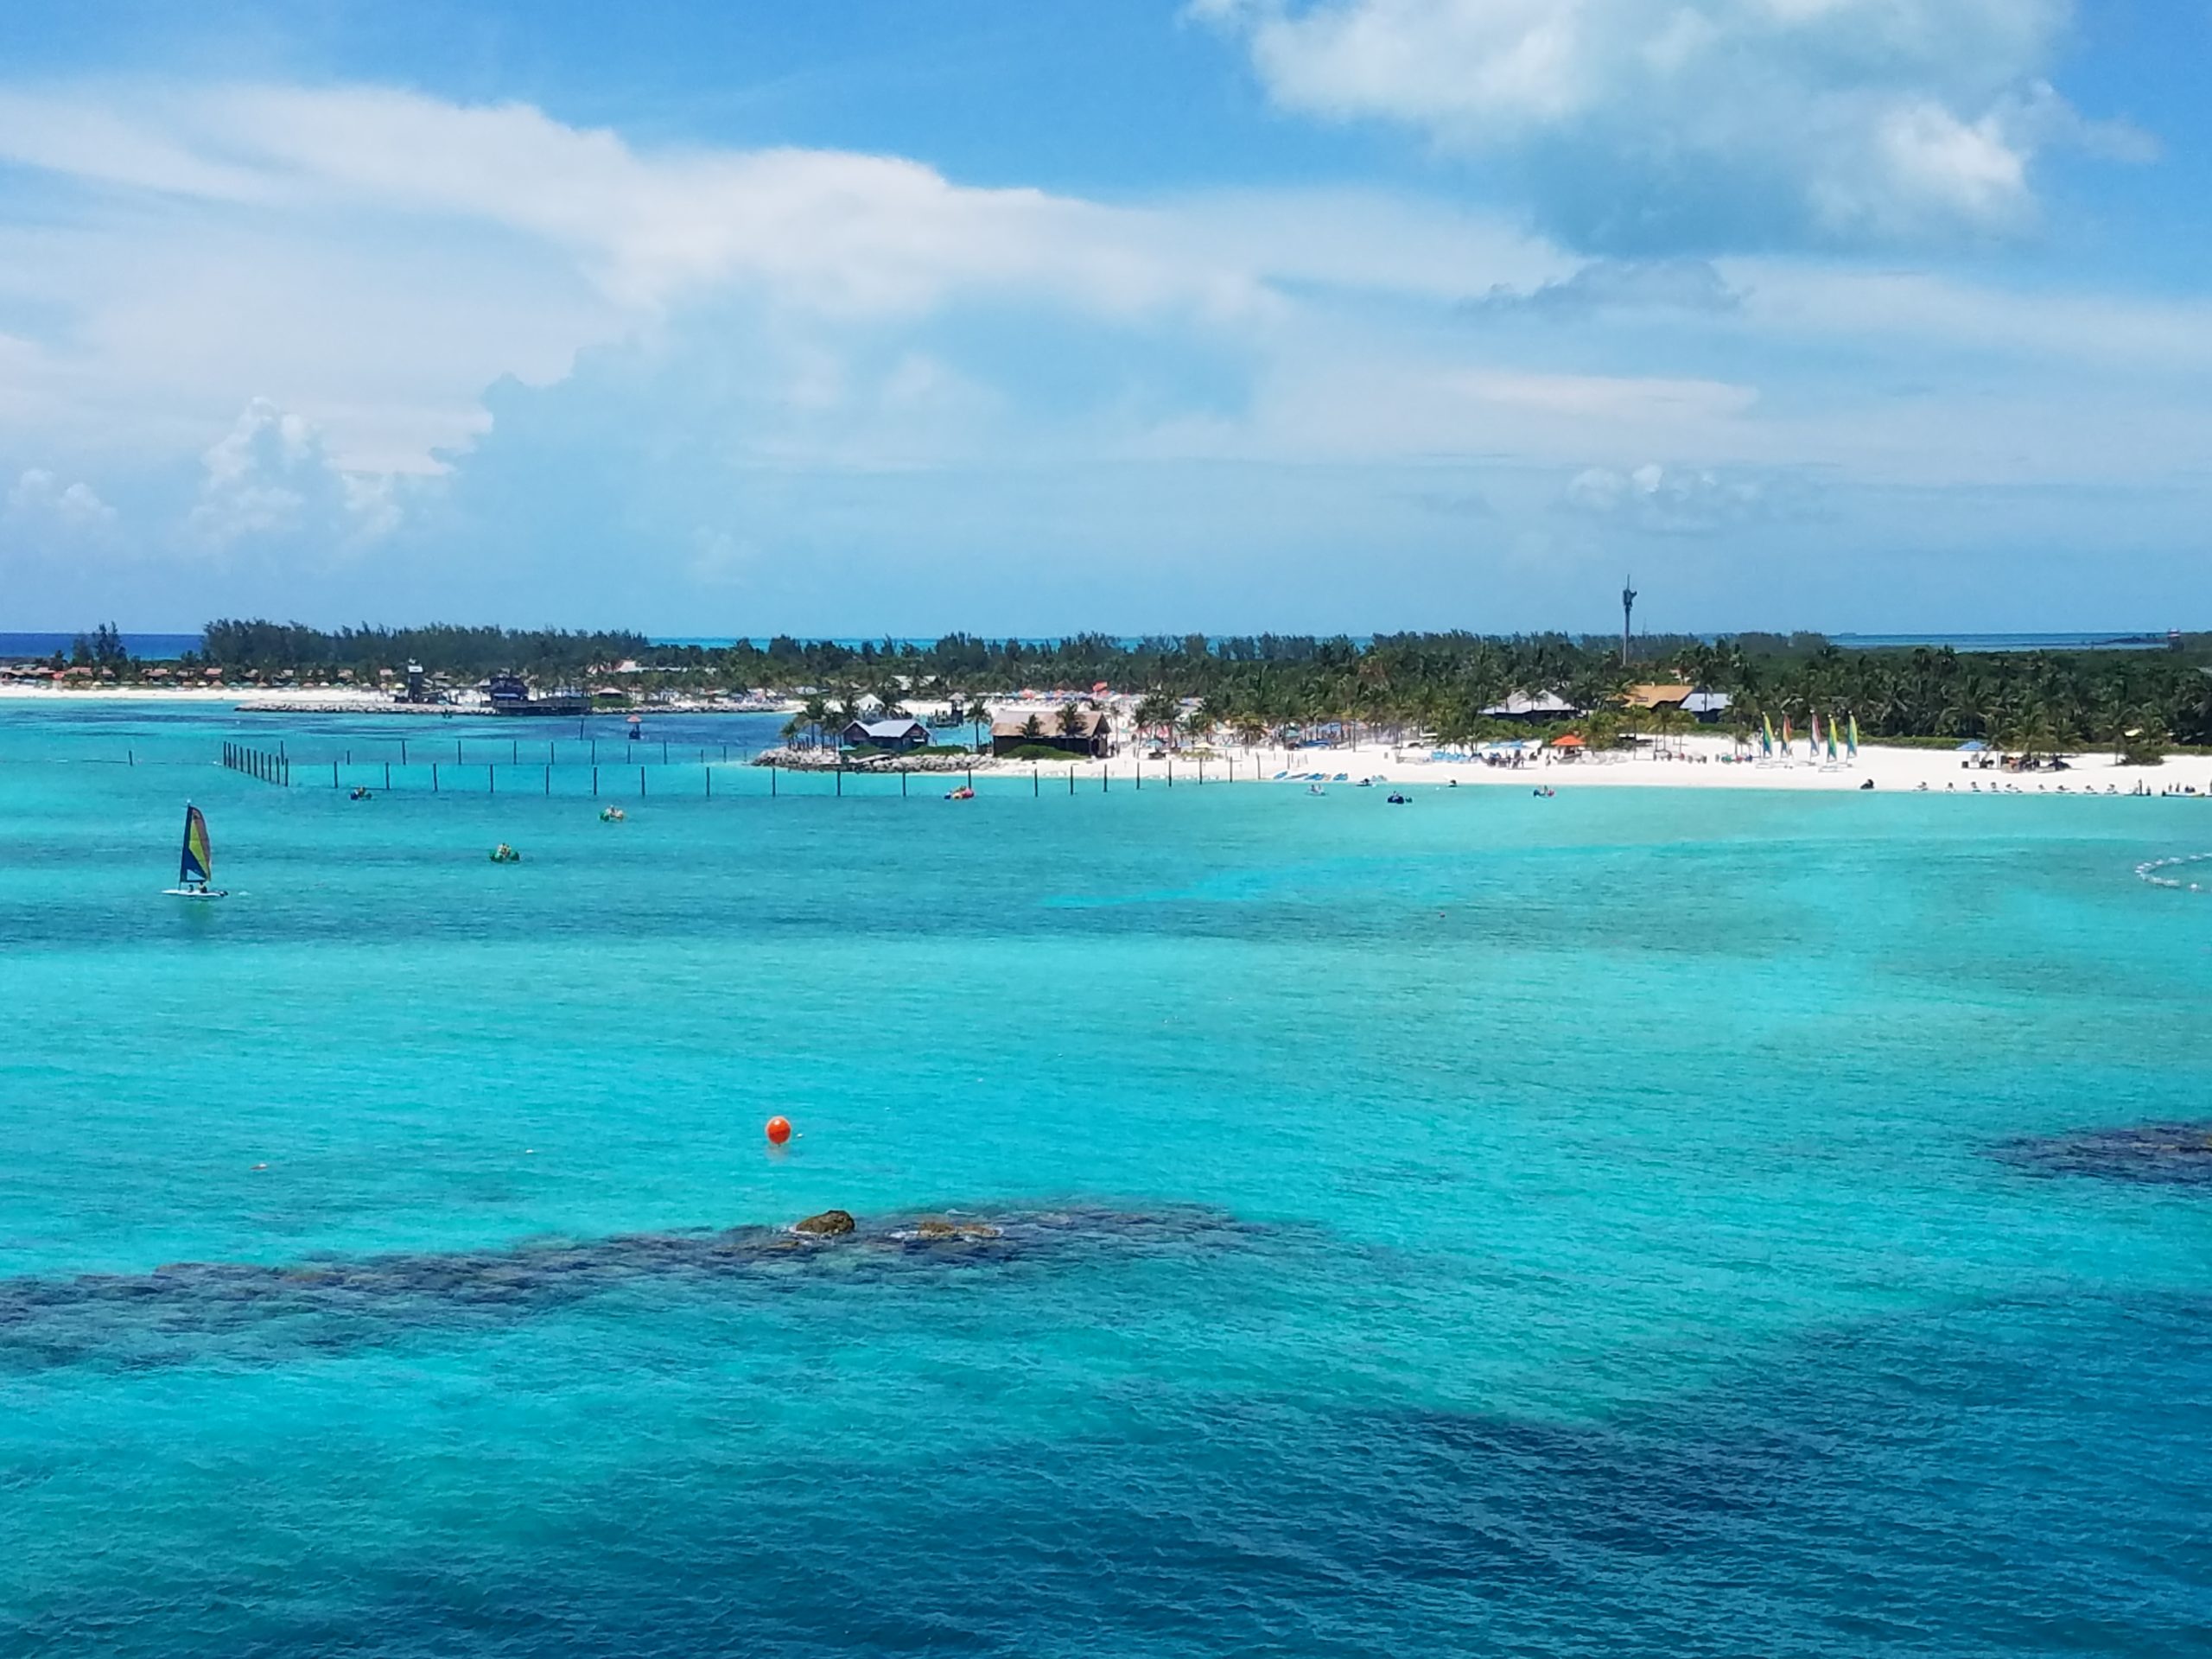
(641, 783)
(434, 777)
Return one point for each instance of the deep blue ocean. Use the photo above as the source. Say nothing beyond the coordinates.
(1641, 1222)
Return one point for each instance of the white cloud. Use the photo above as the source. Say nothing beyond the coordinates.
(1617, 285)
(270, 480)
(1670, 500)
(666, 343)
(826, 230)
(41, 502)
(1643, 125)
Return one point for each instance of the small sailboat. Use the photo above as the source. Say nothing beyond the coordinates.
(196, 866)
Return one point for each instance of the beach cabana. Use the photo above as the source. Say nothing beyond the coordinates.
(1544, 706)
(1092, 735)
(1572, 743)
(906, 733)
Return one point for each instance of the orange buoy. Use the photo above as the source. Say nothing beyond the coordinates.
(779, 1130)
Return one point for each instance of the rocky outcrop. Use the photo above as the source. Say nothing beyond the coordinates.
(942, 1227)
(828, 1224)
(2159, 1155)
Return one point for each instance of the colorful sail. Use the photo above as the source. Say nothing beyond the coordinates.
(199, 861)
(1766, 733)
(1813, 748)
(1785, 734)
(1854, 737)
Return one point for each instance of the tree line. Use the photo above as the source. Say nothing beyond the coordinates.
(1267, 683)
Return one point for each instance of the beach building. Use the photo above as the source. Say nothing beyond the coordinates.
(510, 694)
(1092, 736)
(898, 735)
(1543, 707)
(1704, 706)
(1707, 706)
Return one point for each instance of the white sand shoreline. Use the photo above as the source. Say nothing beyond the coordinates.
(1698, 761)
(1694, 762)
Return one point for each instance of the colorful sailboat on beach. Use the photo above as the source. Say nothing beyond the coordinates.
(196, 864)
(1785, 737)
(1766, 734)
(1852, 743)
(1831, 737)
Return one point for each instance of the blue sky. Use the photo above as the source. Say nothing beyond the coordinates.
(1227, 315)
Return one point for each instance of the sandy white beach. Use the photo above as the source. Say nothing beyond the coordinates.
(1696, 762)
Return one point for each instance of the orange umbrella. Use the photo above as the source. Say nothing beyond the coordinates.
(1570, 741)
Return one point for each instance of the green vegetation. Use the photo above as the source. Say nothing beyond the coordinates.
(545, 654)
(1276, 685)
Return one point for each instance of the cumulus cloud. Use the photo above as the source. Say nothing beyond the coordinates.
(268, 479)
(1641, 126)
(1675, 500)
(41, 501)
(823, 230)
(1608, 285)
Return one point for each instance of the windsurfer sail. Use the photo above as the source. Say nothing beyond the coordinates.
(196, 864)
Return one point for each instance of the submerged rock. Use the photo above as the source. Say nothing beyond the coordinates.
(252, 1312)
(941, 1227)
(2164, 1155)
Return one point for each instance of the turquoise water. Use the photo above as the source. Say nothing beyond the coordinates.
(1493, 1226)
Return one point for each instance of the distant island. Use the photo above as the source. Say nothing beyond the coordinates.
(1455, 687)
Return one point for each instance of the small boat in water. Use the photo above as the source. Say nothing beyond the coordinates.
(196, 866)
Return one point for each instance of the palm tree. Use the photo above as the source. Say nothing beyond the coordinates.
(1155, 711)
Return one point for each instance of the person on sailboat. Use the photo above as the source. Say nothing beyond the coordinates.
(196, 864)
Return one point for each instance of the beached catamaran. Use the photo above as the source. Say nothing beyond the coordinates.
(196, 866)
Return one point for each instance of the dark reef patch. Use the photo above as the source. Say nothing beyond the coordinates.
(178, 1312)
(2157, 1155)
